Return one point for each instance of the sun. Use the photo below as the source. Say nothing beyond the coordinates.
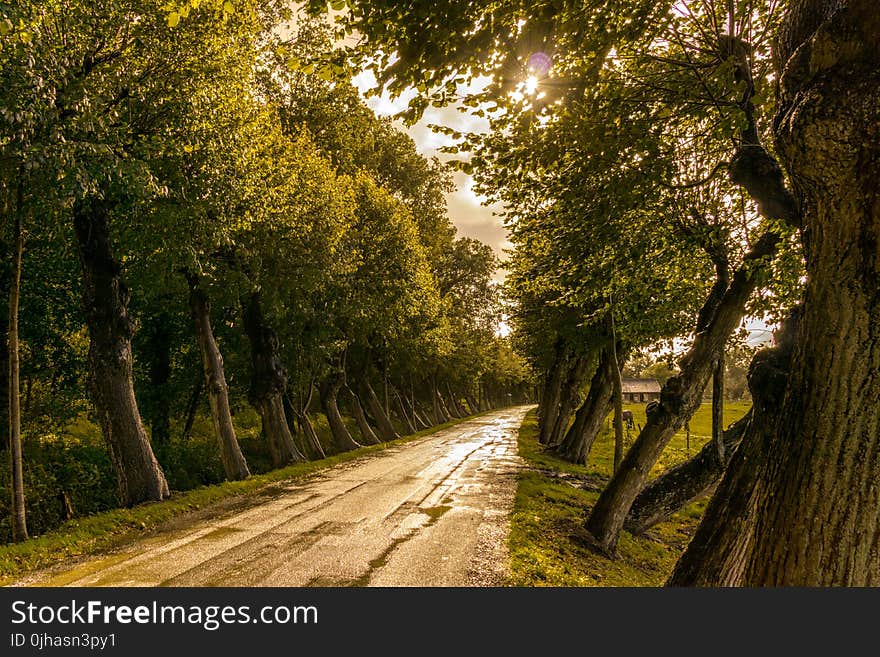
(531, 85)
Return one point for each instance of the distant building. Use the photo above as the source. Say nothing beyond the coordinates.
(640, 390)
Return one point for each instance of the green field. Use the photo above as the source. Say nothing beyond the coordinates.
(548, 545)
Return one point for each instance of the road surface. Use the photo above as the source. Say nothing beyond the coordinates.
(433, 512)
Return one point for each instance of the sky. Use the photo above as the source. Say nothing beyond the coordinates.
(466, 208)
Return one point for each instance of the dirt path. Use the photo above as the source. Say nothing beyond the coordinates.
(433, 512)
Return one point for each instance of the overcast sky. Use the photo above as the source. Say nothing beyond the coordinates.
(465, 207)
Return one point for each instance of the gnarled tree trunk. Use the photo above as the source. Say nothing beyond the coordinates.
(810, 509)
(680, 397)
(268, 383)
(234, 464)
(105, 299)
(400, 409)
(685, 483)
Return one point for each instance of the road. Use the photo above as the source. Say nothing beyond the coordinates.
(432, 512)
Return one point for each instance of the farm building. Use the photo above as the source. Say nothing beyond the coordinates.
(640, 390)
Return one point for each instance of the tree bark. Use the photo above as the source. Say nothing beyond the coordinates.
(19, 517)
(716, 555)
(311, 437)
(357, 411)
(383, 423)
(548, 408)
(234, 464)
(685, 483)
(809, 510)
(329, 393)
(268, 383)
(679, 399)
(105, 299)
(590, 417)
(718, 407)
(569, 398)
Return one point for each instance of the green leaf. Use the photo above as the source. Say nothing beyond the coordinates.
(5, 27)
(228, 8)
(173, 19)
(337, 5)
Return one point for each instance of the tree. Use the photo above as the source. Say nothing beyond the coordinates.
(818, 392)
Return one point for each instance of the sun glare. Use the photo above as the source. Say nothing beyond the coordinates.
(531, 85)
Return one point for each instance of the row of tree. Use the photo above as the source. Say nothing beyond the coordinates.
(667, 170)
(197, 204)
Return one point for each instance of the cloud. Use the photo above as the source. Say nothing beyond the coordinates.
(466, 208)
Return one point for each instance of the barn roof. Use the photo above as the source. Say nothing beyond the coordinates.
(640, 385)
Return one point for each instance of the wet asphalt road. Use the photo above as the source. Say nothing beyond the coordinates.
(433, 512)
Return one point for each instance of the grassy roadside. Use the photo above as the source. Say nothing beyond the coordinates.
(102, 531)
(548, 546)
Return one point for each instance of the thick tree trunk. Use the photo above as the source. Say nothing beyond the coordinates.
(139, 476)
(685, 483)
(354, 404)
(453, 399)
(383, 423)
(329, 393)
(679, 399)
(809, 506)
(473, 405)
(268, 383)
(19, 517)
(569, 398)
(234, 464)
(105, 299)
(590, 417)
(717, 553)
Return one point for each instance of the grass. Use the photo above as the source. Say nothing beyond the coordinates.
(548, 544)
(100, 532)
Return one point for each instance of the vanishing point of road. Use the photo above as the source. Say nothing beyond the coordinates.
(431, 512)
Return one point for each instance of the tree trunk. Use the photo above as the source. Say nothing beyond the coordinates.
(716, 555)
(400, 409)
(680, 397)
(548, 408)
(329, 392)
(383, 424)
(268, 384)
(685, 483)
(617, 388)
(590, 417)
(439, 416)
(809, 510)
(357, 411)
(311, 437)
(234, 464)
(569, 398)
(19, 518)
(105, 298)
(456, 406)
(718, 407)
(192, 405)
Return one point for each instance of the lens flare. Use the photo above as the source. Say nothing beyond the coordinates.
(539, 64)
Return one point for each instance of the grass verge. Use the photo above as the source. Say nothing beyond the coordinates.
(548, 544)
(102, 531)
